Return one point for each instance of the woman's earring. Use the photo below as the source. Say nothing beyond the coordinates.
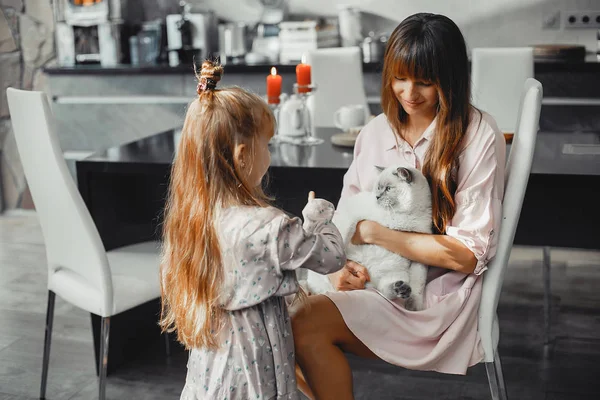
(243, 164)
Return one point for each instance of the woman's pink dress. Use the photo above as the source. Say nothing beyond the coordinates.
(444, 336)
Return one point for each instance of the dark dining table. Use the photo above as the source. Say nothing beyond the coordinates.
(125, 187)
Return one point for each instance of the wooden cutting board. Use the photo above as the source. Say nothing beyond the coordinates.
(558, 51)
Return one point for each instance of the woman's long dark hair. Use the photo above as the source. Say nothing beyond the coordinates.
(430, 48)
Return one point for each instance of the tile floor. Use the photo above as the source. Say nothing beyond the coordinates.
(568, 369)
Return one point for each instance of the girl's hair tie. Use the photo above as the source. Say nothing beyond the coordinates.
(210, 75)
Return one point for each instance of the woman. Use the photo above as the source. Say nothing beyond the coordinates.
(427, 123)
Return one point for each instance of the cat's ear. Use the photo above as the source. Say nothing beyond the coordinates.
(380, 169)
(404, 174)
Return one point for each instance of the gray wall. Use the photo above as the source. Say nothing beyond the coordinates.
(26, 44)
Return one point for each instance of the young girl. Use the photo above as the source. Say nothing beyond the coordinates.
(229, 259)
(428, 123)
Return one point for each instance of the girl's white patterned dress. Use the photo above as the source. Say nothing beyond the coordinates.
(262, 248)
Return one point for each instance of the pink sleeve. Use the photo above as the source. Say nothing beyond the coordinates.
(479, 194)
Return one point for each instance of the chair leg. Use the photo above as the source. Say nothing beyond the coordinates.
(500, 374)
(496, 379)
(547, 308)
(103, 361)
(493, 380)
(47, 341)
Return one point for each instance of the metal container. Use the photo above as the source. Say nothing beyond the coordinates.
(350, 26)
(233, 41)
(373, 48)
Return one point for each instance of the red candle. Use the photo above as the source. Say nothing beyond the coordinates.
(273, 87)
(303, 76)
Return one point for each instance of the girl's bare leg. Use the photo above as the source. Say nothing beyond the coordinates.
(302, 385)
(321, 337)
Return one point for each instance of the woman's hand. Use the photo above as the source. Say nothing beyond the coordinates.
(352, 277)
(365, 232)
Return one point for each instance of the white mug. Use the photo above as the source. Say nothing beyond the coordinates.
(350, 116)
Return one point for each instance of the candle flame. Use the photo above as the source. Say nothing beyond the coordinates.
(273, 71)
(303, 60)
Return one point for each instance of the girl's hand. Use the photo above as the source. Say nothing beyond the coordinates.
(365, 230)
(352, 277)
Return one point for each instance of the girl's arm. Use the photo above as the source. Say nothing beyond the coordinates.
(436, 250)
(317, 244)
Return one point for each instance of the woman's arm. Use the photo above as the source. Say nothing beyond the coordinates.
(435, 250)
(469, 242)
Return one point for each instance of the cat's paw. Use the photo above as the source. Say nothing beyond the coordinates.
(401, 289)
(415, 302)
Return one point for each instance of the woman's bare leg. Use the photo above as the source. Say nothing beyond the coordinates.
(320, 337)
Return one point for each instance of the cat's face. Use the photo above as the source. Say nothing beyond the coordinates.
(399, 187)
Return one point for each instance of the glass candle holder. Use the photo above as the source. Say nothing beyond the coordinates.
(275, 107)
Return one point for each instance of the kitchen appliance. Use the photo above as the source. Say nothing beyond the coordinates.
(234, 42)
(298, 37)
(350, 22)
(373, 48)
(265, 45)
(191, 35)
(148, 46)
(88, 31)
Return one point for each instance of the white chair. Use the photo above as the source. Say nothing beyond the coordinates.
(518, 168)
(498, 75)
(338, 74)
(80, 271)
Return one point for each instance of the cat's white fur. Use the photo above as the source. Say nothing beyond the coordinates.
(400, 200)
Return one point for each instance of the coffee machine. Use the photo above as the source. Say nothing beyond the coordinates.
(191, 35)
(88, 32)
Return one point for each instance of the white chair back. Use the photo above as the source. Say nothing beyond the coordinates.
(517, 173)
(78, 269)
(338, 74)
(498, 75)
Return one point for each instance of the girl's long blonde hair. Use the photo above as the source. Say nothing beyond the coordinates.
(431, 48)
(204, 177)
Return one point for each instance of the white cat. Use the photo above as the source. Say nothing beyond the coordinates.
(401, 200)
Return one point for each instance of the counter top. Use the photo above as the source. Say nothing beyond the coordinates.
(557, 153)
(159, 149)
(125, 186)
(589, 63)
(127, 69)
